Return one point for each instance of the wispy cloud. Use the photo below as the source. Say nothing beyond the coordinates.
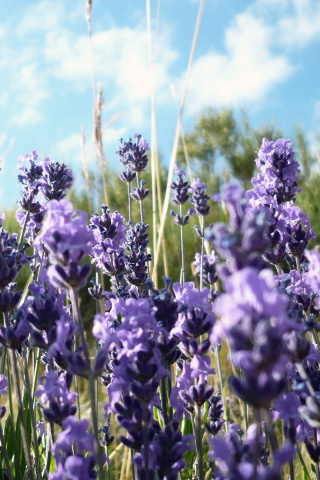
(258, 46)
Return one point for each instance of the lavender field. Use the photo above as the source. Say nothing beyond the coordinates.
(160, 318)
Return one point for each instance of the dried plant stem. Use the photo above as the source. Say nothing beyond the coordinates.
(78, 321)
(85, 169)
(24, 226)
(124, 463)
(176, 140)
(153, 143)
(305, 378)
(98, 141)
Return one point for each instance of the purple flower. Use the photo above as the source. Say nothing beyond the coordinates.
(180, 188)
(64, 233)
(199, 197)
(109, 231)
(30, 173)
(3, 384)
(74, 451)
(312, 277)
(54, 391)
(188, 295)
(41, 427)
(277, 182)
(55, 180)
(133, 154)
(209, 267)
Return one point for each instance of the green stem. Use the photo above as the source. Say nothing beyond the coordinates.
(18, 474)
(270, 431)
(217, 354)
(163, 392)
(5, 453)
(78, 320)
(32, 413)
(202, 252)
(145, 437)
(129, 203)
(302, 461)
(140, 201)
(23, 425)
(183, 267)
(197, 426)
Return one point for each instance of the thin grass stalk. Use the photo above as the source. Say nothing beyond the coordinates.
(124, 463)
(129, 203)
(23, 425)
(88, 17)
(157, 31)
(128, 466)
(5, 453)
(32, 413)
(163, 395)
(304, 467)
(153, 135)
(98, 141)
(176, 139)
(36, 374)
(3, 359)
(270, 431)
(18, 475)
(317, 469)
(184, 145)
(197, 431)
(24, 226)
(183, 267)
(85, 169)
(145, 437)
(78, 320)
(10, 389)
(202, 251)
(140, 201)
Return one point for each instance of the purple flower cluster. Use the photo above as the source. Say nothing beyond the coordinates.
(275, 189)
(253, 319)
(154, 347)
(67, 239)
(50, 179)
(3, 391)
(244, 240)
(278, 181)
(74, 452)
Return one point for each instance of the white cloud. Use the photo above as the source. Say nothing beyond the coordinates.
(296, 23)
(244, 74)
(120, 64)
(258, 47)
(29, 90)
(69, 149)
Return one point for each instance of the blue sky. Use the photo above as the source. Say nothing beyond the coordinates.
(261, 56)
